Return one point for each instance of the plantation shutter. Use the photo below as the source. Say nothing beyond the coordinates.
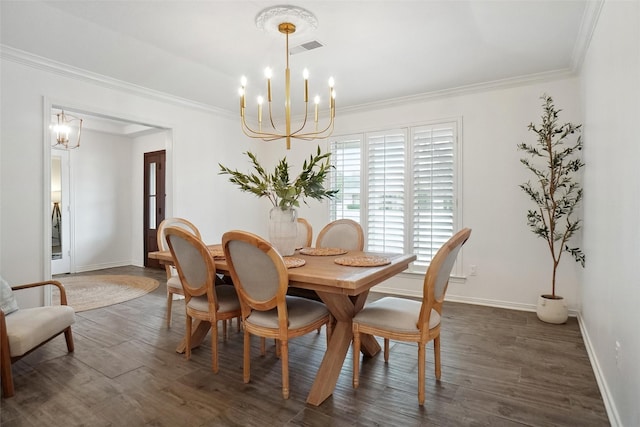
(346, 177)
(385, 191)
(433, 188)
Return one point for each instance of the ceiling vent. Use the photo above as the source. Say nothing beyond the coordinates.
(314, 44)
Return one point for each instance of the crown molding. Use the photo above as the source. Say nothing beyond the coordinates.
(585, 33)
(45, 64)
(464, 90)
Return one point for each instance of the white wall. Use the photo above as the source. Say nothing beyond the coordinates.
(610, 82)
(101, 187)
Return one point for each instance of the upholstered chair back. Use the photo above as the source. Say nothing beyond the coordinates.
(342, 233)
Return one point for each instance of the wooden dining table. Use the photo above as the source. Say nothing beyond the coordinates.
(343, 289)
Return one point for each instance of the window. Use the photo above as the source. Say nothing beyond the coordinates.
(401, 185)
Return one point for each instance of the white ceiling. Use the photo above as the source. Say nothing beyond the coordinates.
(376, 50)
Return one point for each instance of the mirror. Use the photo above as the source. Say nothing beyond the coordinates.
(56, 214)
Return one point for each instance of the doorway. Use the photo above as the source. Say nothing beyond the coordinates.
(103, 228)
(154, 202)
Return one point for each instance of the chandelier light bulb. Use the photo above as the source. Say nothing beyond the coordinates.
(305, 74)
(332, 82)
(268, 73)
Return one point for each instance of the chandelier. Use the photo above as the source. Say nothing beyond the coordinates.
(63, 130)
(287, 17)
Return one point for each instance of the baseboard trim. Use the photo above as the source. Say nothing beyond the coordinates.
(92, 267)
(467, 300)
(607, 397)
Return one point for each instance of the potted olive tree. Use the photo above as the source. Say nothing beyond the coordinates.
(555, 162)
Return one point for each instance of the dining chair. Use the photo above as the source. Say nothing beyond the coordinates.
(408, 320)
(22, 330)
(305, 234)
(174, 287)
(341, 233)
(261, 279)
(203, 299)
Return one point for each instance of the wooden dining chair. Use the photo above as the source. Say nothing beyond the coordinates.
(174, 287)
(261, 279)
(408, 320)
(341, 233)
(305, 234)
(203, 299)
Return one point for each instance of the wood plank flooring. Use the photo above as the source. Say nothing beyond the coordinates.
(499, 368)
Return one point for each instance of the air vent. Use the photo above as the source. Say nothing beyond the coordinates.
(314, 44)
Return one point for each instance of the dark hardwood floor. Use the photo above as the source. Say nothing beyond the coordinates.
(499, 368)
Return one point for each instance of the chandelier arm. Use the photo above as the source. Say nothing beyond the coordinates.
(304, 123)
(320, 134)
(271, 117)
(251, 133)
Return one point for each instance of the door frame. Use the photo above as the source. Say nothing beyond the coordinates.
(49, 103)
(67, 235)
(160, 203)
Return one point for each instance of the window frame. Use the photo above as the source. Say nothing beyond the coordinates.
(409, 132)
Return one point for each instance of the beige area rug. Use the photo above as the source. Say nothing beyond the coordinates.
(89, 292)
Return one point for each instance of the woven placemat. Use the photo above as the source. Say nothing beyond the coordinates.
(323, 251)
(293, 262)
(362, 261)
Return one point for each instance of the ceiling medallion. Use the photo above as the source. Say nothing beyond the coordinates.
(303, 20)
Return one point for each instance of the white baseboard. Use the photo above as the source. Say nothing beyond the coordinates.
(92, 267)
(467, 300)
(609, 404)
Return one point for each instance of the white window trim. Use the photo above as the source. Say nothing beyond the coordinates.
(457, 274)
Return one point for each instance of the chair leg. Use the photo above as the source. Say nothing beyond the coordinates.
(421, 363)
(224, 330)
(329, 330)
(214, 344)
(436, 356)
(187, 350)
(356, 357)
(238, 320)
(386, 350)
(246, 365)
(284, 359)
(5, 374)
(263, 346)
(169, 304)
(277, 345)
(68, 336)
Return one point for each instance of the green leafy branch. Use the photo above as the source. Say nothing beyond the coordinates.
(278, 187)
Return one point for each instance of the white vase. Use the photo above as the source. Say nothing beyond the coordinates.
(552, 309)
(283, 230)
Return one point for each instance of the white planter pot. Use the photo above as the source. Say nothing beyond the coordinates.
(552, 310)
(283, 230)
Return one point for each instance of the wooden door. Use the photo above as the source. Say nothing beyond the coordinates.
(154, 202)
